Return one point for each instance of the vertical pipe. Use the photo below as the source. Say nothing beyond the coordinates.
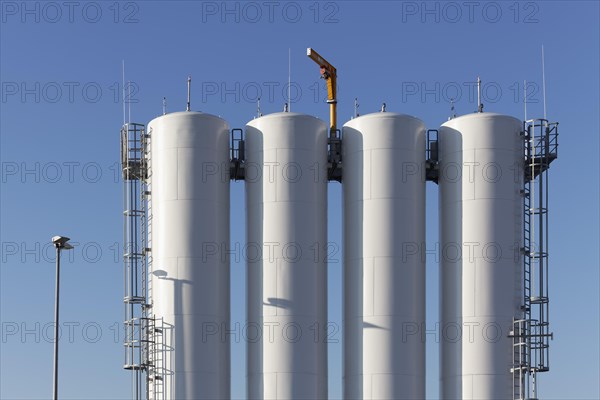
(333, 117)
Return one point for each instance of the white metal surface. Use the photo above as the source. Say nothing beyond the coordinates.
(189, 238)
(286, 208)
(384, 262)
(481, 169)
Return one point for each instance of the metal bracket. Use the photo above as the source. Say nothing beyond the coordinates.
(334, 156)
(432, 156)
(238, 155)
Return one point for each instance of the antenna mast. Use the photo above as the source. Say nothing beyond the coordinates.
(123, 94)
(189, 89)
(544, 81)
(525, 97)
(129, 99)
(289, 79)
(259, 114)
(479, 104)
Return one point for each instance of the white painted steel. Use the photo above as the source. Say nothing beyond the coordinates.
(384, 262)
(190, 236)
(286, 201)
(481, 169)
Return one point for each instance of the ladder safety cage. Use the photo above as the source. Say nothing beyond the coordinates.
(143, 333)
(531, 334)
(132, 165)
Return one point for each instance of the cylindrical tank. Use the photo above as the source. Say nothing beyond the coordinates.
(481, 167)
(384, 266)
(189, 183)
(286, 209)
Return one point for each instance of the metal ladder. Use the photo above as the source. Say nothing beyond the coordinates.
(531, 334)
(153, 334)
(156, 358)
(520, 367)
(141, 332)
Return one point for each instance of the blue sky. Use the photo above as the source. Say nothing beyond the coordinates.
(61, 112)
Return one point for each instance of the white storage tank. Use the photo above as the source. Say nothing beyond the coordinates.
(189, 223)
(384, 261)
(481, 170)
(286, 209)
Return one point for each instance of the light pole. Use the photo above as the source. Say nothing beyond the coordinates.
(60, 242)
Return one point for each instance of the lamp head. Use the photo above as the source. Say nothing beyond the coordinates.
(60, 242)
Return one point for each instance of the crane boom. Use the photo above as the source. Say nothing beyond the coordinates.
(329, 73)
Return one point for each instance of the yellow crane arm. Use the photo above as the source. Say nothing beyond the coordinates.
(329, 73)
